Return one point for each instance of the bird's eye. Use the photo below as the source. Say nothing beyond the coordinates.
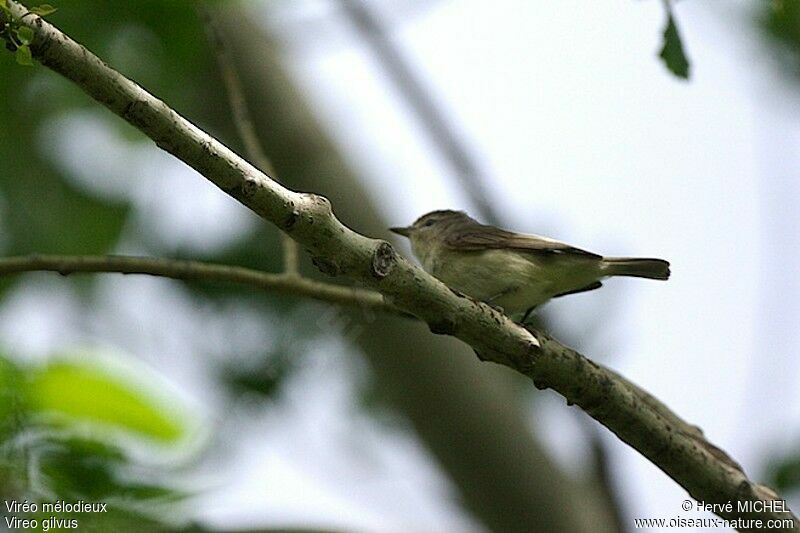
(428, 223)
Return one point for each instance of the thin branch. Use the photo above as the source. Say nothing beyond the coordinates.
(465, 169)
(241, 118)
(704, 470)
(200, 271)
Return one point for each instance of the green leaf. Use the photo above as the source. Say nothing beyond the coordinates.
(43, 10)
(25, 35)
(23, 56)
(672, 52)
(88, 393)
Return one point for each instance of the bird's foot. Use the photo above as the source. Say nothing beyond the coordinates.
(496, 308)
(527, 315)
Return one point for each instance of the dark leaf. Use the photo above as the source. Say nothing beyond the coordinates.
(672, 52)
(265, 378)
(784, 475)
(781, 20)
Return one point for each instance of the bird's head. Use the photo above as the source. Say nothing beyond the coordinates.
(430, 229)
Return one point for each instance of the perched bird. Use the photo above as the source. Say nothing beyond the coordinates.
(515, 271)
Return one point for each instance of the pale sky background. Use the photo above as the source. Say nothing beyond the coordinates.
(586, 138)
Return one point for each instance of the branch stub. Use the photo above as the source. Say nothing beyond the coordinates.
(383, 260)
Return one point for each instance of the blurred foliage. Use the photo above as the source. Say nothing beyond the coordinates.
(18, 37)
(785, 475)
(54, 449)
(261, 376)
(44, 210)
(77, 391)
(781, 21)
(154, 42)
(57, 421)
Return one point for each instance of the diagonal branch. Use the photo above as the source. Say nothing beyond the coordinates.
(241, 118)
(706, 472)
(197, 270)
(463, 163)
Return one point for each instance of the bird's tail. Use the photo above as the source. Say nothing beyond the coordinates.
(636, 267)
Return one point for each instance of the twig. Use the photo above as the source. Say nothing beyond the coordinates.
(241, 119)
(704, 470)
(200, 271)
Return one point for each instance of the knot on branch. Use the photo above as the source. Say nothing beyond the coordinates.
(250, 187)
(314, 209)
(745, 491)
(444, 326)
(327, 266)
(383, 260)
(133, 110)
(290, 220)
(319, 204)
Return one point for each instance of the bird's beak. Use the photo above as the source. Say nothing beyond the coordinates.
(405, 232)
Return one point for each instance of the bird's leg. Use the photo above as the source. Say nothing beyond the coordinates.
(496, 296)
(495, 307)
(527, 314)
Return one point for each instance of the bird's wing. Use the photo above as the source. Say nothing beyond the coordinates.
(485, 237)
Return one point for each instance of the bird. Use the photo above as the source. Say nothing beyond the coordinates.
(517, 272)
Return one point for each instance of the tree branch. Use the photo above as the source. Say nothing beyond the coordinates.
(703, 469)
(200, 271)
(463, 164)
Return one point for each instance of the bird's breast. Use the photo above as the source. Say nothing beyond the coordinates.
(501, 277)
